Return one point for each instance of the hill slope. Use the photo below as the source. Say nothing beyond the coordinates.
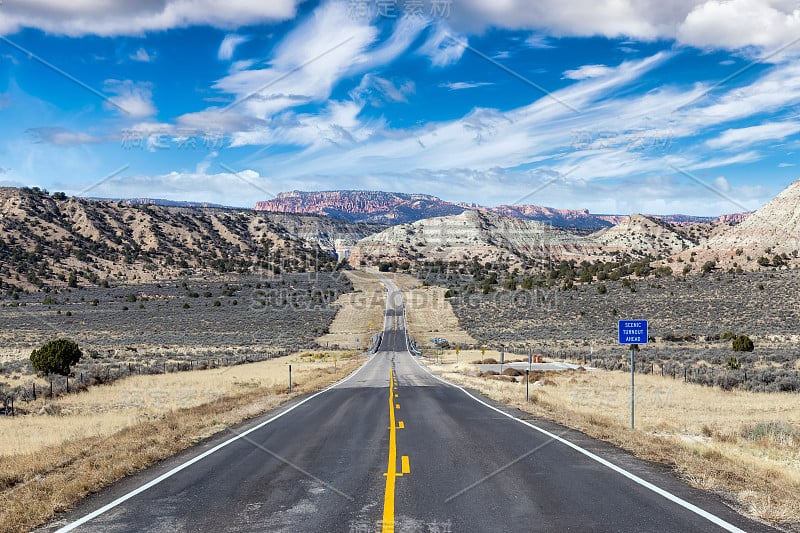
(472, 235)
(773, 229)
(361, 206)
(642, 235)
(44, 239)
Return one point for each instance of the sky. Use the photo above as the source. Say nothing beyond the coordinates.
(623, 106)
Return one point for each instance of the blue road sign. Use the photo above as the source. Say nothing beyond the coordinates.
(633, 331)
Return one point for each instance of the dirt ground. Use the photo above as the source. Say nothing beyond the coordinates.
(360, 313)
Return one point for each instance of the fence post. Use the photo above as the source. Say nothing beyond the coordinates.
(527, 385)
(290, 379)
(34, 392)
(67, 378)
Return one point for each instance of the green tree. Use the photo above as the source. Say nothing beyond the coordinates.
(743, 343)
(56, 357)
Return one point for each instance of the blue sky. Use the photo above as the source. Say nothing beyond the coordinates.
(689, 106)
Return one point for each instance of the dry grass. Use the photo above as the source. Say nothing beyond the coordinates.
(744, 445)
(112, 431)
(358, 309)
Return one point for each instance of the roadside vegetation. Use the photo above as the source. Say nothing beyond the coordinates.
(70, 446)
(742, 445)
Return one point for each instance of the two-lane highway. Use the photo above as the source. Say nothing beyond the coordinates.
(393, 448)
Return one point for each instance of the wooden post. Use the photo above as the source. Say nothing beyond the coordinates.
(290, 379)
(34, 392)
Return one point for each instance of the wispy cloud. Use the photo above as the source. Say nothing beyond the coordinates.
(539, 41)
(461, 85)
(587, 71)
(376, 90)
(60, 136)
(141, 55)
(229, 44)
(135, 98)
(751, 135)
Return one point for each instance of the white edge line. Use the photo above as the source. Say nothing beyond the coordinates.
(633, 477)
(166, 475)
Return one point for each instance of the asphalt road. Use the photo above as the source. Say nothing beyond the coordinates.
(394, 448)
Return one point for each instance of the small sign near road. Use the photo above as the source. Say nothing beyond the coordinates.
(632, 332)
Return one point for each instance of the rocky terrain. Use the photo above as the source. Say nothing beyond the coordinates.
(399, 208)
(643, 236)
(52, 240)
(471, 235)
(770, 236)
(362, 206)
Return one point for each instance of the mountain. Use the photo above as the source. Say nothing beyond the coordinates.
(471, 235)
(566, 218)
(361, 206)
(161, 202)
(44, 239)
(487, 237)
(773, 229)
(400, 208)
(682, 220)
(642, 235)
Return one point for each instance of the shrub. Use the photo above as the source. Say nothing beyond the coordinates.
(131, 298)
(708, 266)
(743, 343)
(56, 357)
(216, 303)
(733, 364)
(602, 289)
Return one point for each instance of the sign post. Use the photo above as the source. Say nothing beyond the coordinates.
(632, 333)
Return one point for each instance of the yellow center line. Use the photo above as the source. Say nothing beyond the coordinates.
(391, 470)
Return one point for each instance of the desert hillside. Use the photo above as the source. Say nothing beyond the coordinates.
(53, 240)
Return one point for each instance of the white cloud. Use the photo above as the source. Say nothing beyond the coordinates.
(443, 47)
(306, 65)
(142, 56)
(587, 71)
(727, 24)
(107, 18)
(785, 165)
(60, 136)
(239, 188)
(721, 184)
(376, 90)
(461, 85)
(313, 57)
(538, 41)
(229, 45)
(770, 131)
(132, 100)
(735, 24)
